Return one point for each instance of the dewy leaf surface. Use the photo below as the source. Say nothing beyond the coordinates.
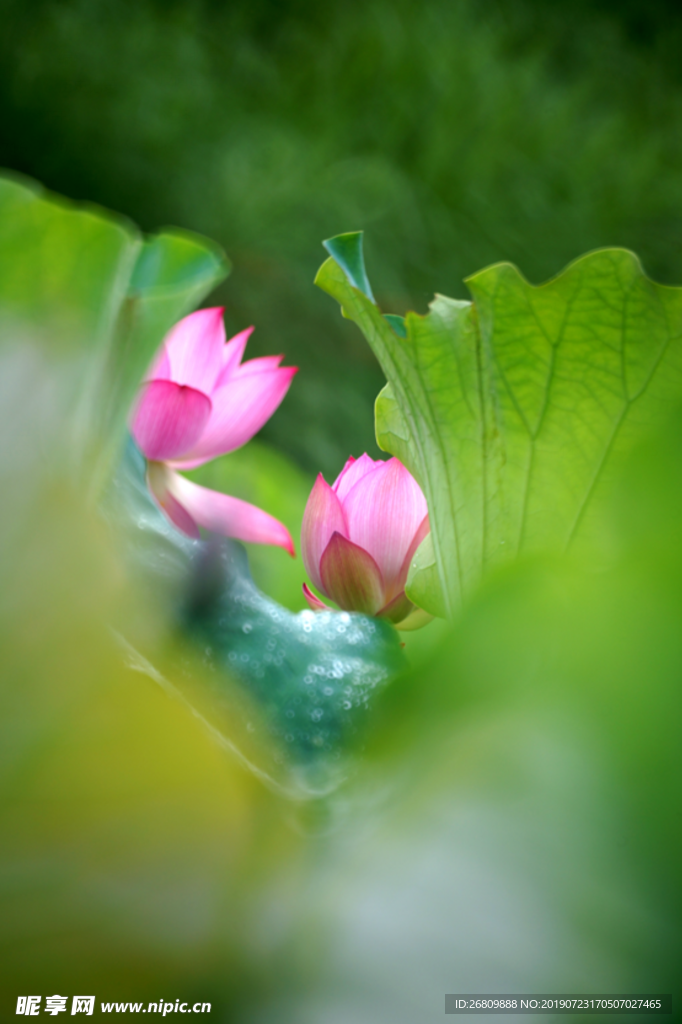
(305, 682)
(513, 411)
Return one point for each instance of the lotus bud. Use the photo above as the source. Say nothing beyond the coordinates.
(359, 537)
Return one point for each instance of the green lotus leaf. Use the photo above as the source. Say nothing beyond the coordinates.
(513, 411)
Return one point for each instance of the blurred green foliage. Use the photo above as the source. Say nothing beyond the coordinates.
(509, 816)
(514, 820)
(534, 842)
(456, 133)
(86, 291)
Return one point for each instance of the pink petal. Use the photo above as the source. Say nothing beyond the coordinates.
(169, 419)
(314, 601)
(351, 577)
(161, 367)
(157, 480)
(240, 408)
(323, 516)
(354, 470)
(232, 355)
(397, 609)
(221, 513)
(258, 365)
(348, 463)
(195, 348)
(384, 510)
(423, 530)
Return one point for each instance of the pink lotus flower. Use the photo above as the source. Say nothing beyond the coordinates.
(198, 402)
(359, 536)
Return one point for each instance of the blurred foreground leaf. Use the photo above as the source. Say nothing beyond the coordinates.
(129, 839)
(516, 826)
(514, 411)
(86, 287)
(137, 831)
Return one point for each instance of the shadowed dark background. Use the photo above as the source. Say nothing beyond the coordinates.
(456, 134)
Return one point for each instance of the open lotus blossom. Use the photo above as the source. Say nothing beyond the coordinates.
(359, 536)
(200, 401)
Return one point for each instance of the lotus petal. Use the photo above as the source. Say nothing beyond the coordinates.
(323, 516)
(351, 577)
(314, 601)
(169, 419)
(240, 408)
(232, 355)
(423, 530)
(397, 609)
(258, 365)
(232, 517)
(352, 472)
(157, 481)
(161, 367)
(195, 349)
(384, 510)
